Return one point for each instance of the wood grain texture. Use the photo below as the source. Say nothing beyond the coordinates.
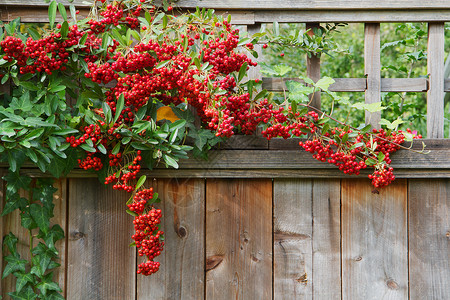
(238, 239)
(60, 218)
(40, 14)
(374, 241)
(101, 265)
(372, 69)
(2, 232)
(352, 16)
(255, 72)
(429, 238)
(357, 84)
(326, 242)
(435, 95)
(313, 68)
(274, 4)
(293, 239)
(181, 275)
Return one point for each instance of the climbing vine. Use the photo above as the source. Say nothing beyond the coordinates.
(122, 90)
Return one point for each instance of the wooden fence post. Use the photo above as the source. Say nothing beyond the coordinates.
(372, 68)
(313, 68)
(435, 95)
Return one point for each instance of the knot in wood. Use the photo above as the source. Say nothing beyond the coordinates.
(181, 232)
(359, 258)
(392, 284)
(78, 235)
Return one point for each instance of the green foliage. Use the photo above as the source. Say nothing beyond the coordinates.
(36, 212)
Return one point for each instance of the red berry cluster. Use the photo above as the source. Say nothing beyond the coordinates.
(129, 172)
(147, 234)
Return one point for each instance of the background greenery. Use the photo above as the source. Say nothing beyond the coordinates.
(403, 55)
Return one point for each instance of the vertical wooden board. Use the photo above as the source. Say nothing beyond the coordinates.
(238, 239)
(326, 243)
(293, 230)
(429, 238)
(60, 210)
(12, 223)
(100, 263)
(374, 240)
(181, 275)
(2, 233)
(372, 69)
(255, 72)
(435, 94)
(313, 68)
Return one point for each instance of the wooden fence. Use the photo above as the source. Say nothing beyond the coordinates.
(263, 220)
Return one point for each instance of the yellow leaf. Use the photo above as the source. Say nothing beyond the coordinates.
(166, 112)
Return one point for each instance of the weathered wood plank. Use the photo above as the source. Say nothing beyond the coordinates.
(60, 218)
(404, 84)
(447, 84)
(313, 68)
(238, 239)
(326, 239)
(181, 275)
(293, 238)
(274, 4)
(372, 69)
(358, 84)
(435, 96)
(101, 265)
(255, 72)
(40, 15)
(374, 241)
(340, 85)
(2, 232)
(352, 16)
(429, 236)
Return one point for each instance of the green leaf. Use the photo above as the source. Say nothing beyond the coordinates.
(281, 69)
(26, 294)
(45, 286)
(29, 86)
(64, 29)
(10, 240)
(40, 216)
(101, 148)
(14, 264)
(119, 107)
(162, 64)
(34, 134)
(55, 233)
(65, 131)
(324, 83)
(381, 156)
(60, 166)
(370, 162)
(88, 148)
(13, 204)
(242, 71)
(116, 149)
(23, 279)
(132, 213)
(52, 13)
(170, 161)
(73, 12)
(141, 181)
(62, 11)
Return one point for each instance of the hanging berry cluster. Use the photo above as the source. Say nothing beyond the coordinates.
(148, 236)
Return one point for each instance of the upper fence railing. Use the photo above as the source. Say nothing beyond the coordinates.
(253, 13)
